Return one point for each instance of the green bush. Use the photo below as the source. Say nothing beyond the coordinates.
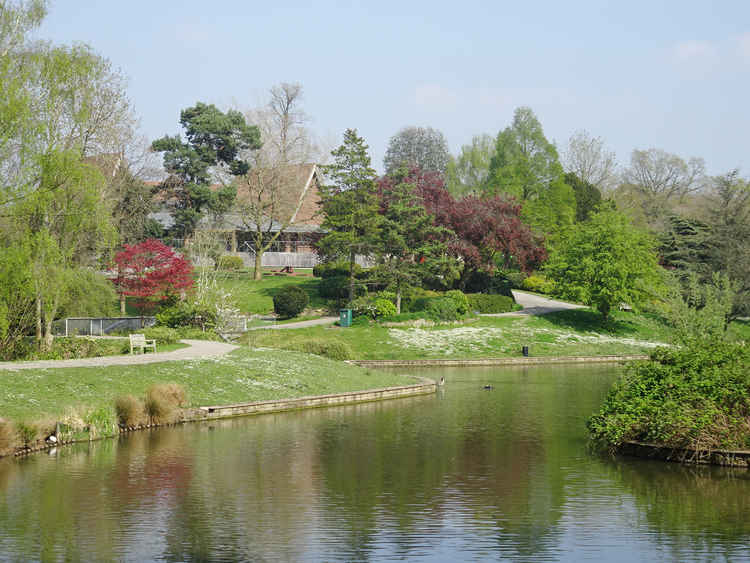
(462, 303)
(162, 334)
(415, 299)
(538, 284)
(27, 432)
(486, 303)
(290, 301)
(230, 262)
(695, 397)
(442, 309)
(186, 314)
(404, 317)
(333, 349)
(72, 347)
(339, 268)
(493, 283)
(384, 308)
(337, 288)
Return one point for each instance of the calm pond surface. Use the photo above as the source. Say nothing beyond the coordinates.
(465, 475)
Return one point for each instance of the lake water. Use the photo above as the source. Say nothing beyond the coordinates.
(465, 475)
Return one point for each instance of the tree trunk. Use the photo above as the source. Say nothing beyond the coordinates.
(351, 276)
(38, 320)
(398, 301)
(122, 304)
(47, 335)
(258, 271)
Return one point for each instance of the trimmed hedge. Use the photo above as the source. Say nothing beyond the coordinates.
(487, 303)
(290, 301)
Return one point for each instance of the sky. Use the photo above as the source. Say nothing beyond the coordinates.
(673, 75)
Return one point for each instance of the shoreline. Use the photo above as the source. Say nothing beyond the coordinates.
(687, 456)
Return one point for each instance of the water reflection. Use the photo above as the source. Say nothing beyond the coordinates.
(466, 474)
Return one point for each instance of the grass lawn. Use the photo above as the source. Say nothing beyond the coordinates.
(256, 297)
(243, 375)
(567, 333)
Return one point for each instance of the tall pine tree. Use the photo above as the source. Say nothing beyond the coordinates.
(350, 204)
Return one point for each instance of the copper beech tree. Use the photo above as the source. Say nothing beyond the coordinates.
(151, 272)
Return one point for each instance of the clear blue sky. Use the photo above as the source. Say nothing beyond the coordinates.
(672, 75)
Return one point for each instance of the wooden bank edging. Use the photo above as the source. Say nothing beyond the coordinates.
(732, 458)
(424, 387)
(498, 361)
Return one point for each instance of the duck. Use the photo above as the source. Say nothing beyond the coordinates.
(488, 387)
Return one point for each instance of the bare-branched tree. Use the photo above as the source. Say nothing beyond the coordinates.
(587, 157)
(270, 195)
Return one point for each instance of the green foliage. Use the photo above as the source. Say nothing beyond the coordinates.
(442, 309)
(694, 397)
(214, 139)
(89, 295)
(496, 282)
(526, 165)
(335, 269)
(73, 347)
(538, 284)
(230, 262)
(462, 302)
(587, 196)
(332, 349)
(162, 334)
(28, 432)
(349, 205)
(468, 173)
(384, 308)
(187, 313)
(604, 262)
(290, 301)
(487, 303)
(337, 288)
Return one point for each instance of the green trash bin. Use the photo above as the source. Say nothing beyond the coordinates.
(345, 318)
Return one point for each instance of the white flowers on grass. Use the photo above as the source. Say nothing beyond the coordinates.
(488, 339)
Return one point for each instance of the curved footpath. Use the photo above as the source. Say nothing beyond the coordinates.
(197, 350)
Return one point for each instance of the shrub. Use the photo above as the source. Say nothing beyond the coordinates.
(493, 283)
(362, 306)
(8, 436)
(184, 313)
(163, 401)
(64, 348)
(290, 301)
(230, 262)
(442, 309)
(27, 432)
(162, 334)
(485, 303)
(100, 422)
(690, 397)
(384, 308)
(462, 303)
(339, 268)
(130, 410)
(538, 284)
(333, 349)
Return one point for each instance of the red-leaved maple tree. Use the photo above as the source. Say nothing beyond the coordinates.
(151, 271)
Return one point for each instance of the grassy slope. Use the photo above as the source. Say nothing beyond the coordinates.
(243, 375)
(568, 333)
(256, 297)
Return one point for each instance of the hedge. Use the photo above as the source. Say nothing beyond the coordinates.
(487, 303)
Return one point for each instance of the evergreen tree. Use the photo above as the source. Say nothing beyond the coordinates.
(214, 141)
(350, 204)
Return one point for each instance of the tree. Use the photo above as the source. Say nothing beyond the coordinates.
(213, 144)
(526, 166)
(349, 204)
(468, 172)
(662, 179)
(132, 204)
(271, 193)
(151, 272)
(489, 232)
(423, 147)
(590, 161)
(728, 217)
(605, 261)
(588, 197)
(411, 247)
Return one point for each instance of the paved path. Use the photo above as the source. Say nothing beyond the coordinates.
(199, 349)
(300, 324)
(535, 305)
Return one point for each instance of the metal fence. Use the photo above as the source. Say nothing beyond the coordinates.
(99, 326)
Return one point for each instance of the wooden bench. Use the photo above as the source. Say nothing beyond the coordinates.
(139, 341)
